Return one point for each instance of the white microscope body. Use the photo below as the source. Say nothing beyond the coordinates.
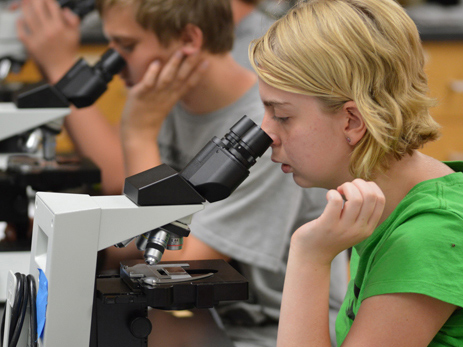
(68, 232)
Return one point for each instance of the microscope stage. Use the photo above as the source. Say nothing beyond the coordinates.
(211, 282)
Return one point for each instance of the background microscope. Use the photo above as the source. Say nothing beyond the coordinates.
(28, 162)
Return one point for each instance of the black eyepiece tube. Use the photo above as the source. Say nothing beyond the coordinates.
(81, 86)
(222, 165)
(242, 126)
(111, 63)
(257, 140)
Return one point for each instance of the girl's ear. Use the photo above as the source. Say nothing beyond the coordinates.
(354, 126)
(192, 39)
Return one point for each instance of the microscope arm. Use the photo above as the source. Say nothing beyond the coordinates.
(122, 219)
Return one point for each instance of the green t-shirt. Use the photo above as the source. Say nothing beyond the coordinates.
(417, 249)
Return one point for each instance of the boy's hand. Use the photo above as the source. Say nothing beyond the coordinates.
(51, 36)
(151, 100)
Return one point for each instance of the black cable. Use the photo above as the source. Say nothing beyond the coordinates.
(33, 312)
(2, 329)
(25, 294)
(19, 324)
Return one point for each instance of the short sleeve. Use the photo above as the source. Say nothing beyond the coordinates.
(423, 255)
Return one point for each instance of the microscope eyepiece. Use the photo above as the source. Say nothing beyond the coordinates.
(246, 141)
(246, 131)
(110, 64)
(222, 165)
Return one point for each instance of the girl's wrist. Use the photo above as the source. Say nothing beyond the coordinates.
(302, 251)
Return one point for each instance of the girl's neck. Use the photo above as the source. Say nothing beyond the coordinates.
(406, 173)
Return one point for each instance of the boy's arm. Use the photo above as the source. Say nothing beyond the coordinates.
(95, 138)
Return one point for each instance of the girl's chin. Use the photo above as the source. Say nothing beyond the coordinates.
(301, 182)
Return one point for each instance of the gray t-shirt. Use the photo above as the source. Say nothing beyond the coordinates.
(251, 27)
(254, 225)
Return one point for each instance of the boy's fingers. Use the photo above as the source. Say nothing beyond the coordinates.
(70, 17)
(151, 75)
(170, 69)
(37, 12)
(53, 10)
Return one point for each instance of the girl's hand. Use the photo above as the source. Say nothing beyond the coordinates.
(343, 223)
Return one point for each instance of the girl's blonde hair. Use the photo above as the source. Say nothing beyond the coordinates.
(368, 51)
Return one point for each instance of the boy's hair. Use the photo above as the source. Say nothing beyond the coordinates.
(168, 18)
(368, 51)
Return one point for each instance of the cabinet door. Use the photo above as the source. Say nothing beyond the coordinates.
(444, 67)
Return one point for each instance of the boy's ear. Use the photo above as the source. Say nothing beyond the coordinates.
(354, 125)
(192, 38)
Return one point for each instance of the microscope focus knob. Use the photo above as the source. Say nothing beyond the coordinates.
(140, 327)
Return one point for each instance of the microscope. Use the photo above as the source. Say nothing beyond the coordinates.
(86, 309)
(28, 161)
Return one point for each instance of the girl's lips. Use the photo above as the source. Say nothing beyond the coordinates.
(286, 168)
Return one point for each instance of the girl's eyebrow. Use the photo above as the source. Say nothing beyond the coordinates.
(271, 103)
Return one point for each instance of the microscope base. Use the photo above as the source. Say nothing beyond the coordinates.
(121, 303)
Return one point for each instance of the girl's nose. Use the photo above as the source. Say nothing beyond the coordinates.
(267, 127)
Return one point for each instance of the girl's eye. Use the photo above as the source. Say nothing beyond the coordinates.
(280, 119)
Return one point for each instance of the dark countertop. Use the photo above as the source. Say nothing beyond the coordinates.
(441, 33)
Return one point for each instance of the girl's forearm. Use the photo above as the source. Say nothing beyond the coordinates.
(304, 317)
